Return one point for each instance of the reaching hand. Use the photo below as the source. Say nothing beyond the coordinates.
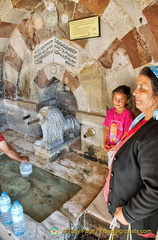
(25, 159)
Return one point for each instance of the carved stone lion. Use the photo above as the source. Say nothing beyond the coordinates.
(55, 127)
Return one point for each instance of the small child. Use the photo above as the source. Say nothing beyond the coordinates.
(117, 120)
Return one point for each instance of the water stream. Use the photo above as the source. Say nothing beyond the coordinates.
(25, 167)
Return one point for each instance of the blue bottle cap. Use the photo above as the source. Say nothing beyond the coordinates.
(16, 202)
(3, 194)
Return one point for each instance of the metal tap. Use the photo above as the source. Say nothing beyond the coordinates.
(89, 133)
(33, 121)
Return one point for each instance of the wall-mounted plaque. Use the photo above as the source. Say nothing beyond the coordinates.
(55, 50)
(84, 28)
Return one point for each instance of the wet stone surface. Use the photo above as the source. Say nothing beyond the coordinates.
(40, 194)
(16, 186)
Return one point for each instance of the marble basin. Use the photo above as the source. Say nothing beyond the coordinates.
(89, 176)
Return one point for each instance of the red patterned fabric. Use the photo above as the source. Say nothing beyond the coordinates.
(1, 138)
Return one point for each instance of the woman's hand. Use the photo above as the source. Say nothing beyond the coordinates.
(119, 216)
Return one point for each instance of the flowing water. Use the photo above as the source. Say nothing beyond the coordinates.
(40, 194)
(25, 167)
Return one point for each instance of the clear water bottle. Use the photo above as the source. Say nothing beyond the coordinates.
(18, 218)
(25, 169)
(5, 208)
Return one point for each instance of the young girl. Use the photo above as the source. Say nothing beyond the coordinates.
(117, 120)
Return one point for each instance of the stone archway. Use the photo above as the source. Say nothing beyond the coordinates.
(24, 78)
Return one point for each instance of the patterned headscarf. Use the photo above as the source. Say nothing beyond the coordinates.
(154, 69)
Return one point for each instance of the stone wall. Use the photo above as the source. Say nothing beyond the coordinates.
(15, 111)
(3, 117)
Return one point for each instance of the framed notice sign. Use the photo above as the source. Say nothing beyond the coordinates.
(84, 28)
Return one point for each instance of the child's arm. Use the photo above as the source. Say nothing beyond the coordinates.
(123, 136)
(106, 147)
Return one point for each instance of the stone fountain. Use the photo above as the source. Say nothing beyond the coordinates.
(58, 132)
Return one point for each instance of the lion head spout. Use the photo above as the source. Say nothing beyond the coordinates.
(54, 125)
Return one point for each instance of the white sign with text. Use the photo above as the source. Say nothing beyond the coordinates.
(57, 51)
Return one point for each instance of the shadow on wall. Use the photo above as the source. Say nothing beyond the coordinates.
(58, 94)
(3, 117)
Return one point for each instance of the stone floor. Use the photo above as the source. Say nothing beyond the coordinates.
(88, 203)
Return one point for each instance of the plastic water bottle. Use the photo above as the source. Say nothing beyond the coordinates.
(18, 218)
(5, 207)
(25, 169)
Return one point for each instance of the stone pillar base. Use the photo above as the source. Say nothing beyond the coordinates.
(53, 153)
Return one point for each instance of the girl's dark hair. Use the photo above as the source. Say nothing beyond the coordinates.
(123, 89)
(154, 80)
